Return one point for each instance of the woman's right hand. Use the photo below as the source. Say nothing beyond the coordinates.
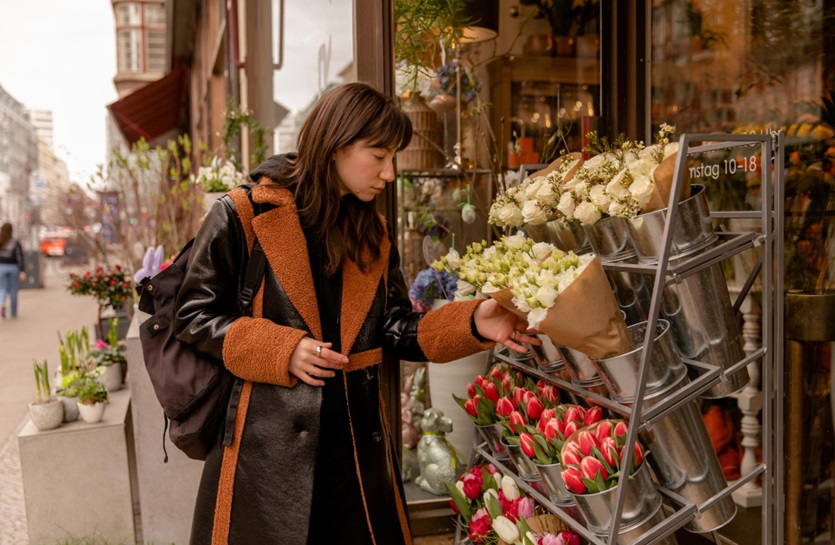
(310, 363)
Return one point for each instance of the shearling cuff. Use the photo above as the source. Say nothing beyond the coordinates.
(259, 350)
(445, 334)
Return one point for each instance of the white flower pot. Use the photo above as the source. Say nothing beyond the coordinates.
(91, 413)
(46, 415)
(111, 377)
(70, 408)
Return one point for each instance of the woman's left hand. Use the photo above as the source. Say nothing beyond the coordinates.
(497, 324)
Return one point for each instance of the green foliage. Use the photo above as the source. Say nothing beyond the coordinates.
(42, 380)
(87, 389)
(236, 121)
(73, 350)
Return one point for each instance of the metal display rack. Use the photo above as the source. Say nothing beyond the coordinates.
(771, 238)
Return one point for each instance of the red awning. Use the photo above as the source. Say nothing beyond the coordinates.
(154, 109)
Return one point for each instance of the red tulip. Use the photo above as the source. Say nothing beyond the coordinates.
(595, 414)
(497, 373)
(551, 429)
(591, 466)
(481, 381)
(491, 392)
(472, 486)
(548, 414)
(603, 430)
(637, 458)
(480, 527)
(574, 414)
(572, 447)
(519, 395)
(609, 451)
(517, 422)
(454, 507)
(570, 458)
(471, 405)
(528, 395)
(534, 408)
(527, 441)
(505, 406)
(471, 389)
(573, 481)
(506, 383)
(586, 441)
(568, 538)
(570, 428)
(620, 429)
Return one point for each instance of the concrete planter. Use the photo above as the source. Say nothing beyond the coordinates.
(46, 415)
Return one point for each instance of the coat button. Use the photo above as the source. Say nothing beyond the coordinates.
(377, 436)
(369, 373)
(150, 287)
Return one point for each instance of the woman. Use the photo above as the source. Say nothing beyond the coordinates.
(11, 269)
(308, 463)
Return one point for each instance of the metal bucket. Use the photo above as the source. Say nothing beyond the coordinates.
(551, 476)
(621, 373)
(568, 237)
(525, 468)
(579, 365)
(683, 460)
(545, 355)
(537, 232)
(633, 291)
(704, 325)
(629, 534)
(609, 238)
(641, 501)
(492, 434)
(692, 230)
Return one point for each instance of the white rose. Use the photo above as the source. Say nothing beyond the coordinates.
(649, 153)
(533, 213)
(599, 197)
(510, 215)
(546, 295)
(521, 303)
(540, 190)
(595, 162)
(453, 259)
(541, 250)
(566, 205)
(587, 213)
(615, 188)
(536, 316)
(515, 242)
(641, 190)
(629, 157)
(670, 149)
(644, 167)
(616, 208)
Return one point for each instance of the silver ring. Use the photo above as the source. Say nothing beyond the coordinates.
(513, 335)
(319, 351)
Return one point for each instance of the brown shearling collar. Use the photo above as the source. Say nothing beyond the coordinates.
(282, 238)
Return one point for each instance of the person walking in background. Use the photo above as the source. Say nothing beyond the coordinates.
(11, 269)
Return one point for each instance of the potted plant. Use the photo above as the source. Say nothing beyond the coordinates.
(72, 349)
(91, 395)
(217, 177)
(109, 359)
(110, 288)
(46, 411)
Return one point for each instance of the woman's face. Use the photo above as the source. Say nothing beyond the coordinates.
(364, 170)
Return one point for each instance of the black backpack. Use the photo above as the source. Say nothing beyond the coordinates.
(194, 390)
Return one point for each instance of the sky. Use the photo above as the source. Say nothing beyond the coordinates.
(60, 55)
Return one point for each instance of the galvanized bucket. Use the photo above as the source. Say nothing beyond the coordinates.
(633, 291)
(568, 237)
(537, 232)
(704, 325)
(609, 239)
(630, 533)
(579, 365)
(692, 230)
(641, 501)
(683, 460)
(551, 476)
(621, 373)
(492, 434)
(545, 355)
(525, 468)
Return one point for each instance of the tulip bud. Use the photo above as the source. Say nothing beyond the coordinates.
(620, 429)
(572, 447)
(506, 383)
(591, 466)
(637, 458)
(504, 407)
(517, 422)
(527, 508)
(610, 452)
(481, 381)
(603, 430)
(595, 414)
(491, 392)
(573, 481)
(548, 414)
(586, 441)
(471, 389)
(534, 408)
(519, 395)
(528, 395)
(471, 405)
(510, 489)
(506, 530)
(570, 428)
(527, 441)
(551, 429)
(573, 414)
(568, 538)
(496, 372)
(569, 457)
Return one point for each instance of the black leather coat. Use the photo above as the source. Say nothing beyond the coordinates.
(270, 464)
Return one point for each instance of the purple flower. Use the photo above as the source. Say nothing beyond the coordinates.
(431, 284)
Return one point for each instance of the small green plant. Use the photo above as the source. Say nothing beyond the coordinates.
(42, 380)
(235, 123)
(87, 389)
(73, 349)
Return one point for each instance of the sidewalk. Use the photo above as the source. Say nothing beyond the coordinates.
(41, 314)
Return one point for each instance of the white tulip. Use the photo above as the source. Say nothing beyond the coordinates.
(511, 491)
(506, 530)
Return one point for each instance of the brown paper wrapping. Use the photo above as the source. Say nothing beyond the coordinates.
(663, 186)
(505, 300)
(586, 316)
(556, 163)
(542, 524)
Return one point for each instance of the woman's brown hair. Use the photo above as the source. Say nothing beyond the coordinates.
(5, 234)
(344, 115)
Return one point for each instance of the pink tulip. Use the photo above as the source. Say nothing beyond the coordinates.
(570, 428)
(519, 395)
(603, 430)
(573, 481)
(505, 406)
(568, 538)
(517, 422)
(534, 408)
(491, 392)
(527, 441)
(526, 508)
(595, 414)
(471, 405)
(570, 458)
(586, 441)
(591, 466)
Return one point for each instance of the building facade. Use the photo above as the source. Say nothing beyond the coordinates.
(18, 162)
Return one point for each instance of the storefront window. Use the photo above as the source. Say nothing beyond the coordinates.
(318, 54)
